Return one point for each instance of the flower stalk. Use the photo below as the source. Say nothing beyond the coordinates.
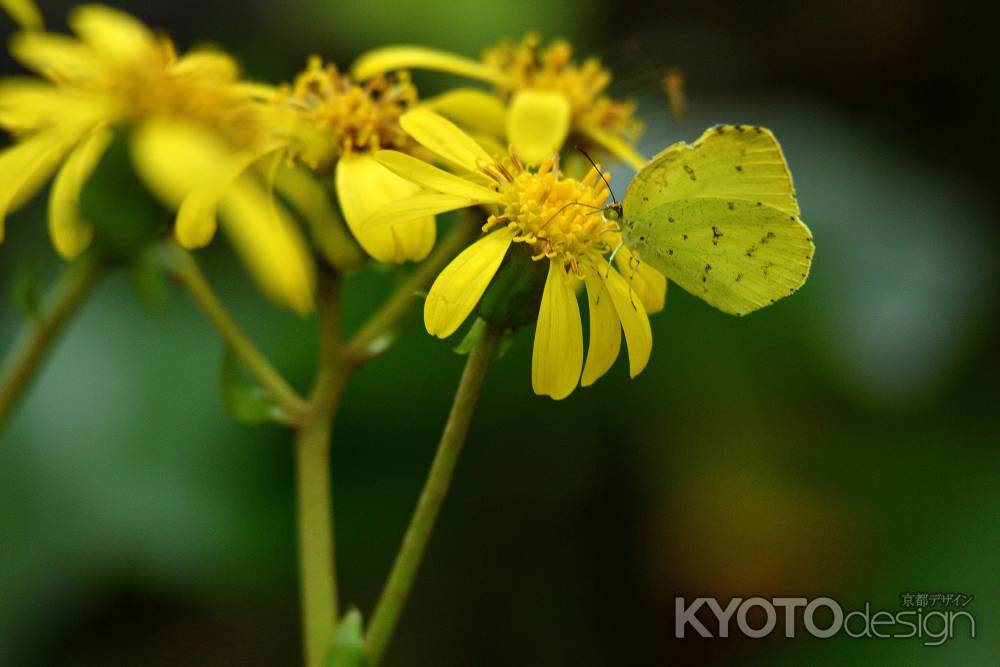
(35, 340)
(317, 568)
(184, 266)
(404, 569)
(373, 337)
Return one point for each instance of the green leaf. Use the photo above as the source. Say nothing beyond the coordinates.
(149, 280)
(26, 291)
(348, 648)
(514, 295)
(472, 338)
(244, 401)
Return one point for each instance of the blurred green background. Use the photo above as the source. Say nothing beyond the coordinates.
(841, 443)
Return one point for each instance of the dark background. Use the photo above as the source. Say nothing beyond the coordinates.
(841, 443)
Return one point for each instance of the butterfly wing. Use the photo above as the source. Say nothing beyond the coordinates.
(736, 255)
(719, 218)
(730, 162)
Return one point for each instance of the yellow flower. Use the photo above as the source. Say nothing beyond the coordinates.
(335, 120)
(194, 128)
(555, 219)
(545, 97)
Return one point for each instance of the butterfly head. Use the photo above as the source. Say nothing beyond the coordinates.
(613, 212)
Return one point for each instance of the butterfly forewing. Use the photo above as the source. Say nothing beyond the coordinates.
(736, 255)
(729, 162)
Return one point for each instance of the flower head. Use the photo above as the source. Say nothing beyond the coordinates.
(554, 219)
(546, 96)
(193, 126)
(333, 120)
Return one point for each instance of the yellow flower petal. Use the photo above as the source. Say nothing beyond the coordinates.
(207, 64)
(269, 243)
(24, 13)
(635, 322)
(27, 165)
(174, 157)
(458, 288)
(557, 355)
(112, 34)
(29, 105)
(309, 198)
(70, 233)
(648, 283)
(418, 206)
(444, 138)
(615, 145)
(363, 187)
(429, 176)
(55, 56)
(476, 109)
(389, 58)
(537, 124)
(180, 163)
(605, 331)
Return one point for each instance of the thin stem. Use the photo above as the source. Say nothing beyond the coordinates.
(317, 569)
(377, 333)
(190, 274)
(404, 569)
(37, 336)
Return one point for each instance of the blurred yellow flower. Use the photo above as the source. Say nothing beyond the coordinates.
(543, 99)
(336, 122)
(554, 218)
(24, 12)
(194, 126)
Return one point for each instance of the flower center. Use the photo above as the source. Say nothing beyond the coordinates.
(559, 218)
(200, 88)
(528, 65)
(352, 117)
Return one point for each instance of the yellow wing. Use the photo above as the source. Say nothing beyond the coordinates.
(736, 255)
(728, 162)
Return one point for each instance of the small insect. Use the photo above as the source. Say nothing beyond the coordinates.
(673, 86)
(739, 216)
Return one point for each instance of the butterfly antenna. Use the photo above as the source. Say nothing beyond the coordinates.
(600, 172)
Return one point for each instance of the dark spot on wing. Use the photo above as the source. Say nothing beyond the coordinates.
(739, 128)
(751, 251)
(720, 129)
(767, 267)
(669, 219)
(758, 129)
(767, 237)
(760, 203)
(685, 237)
(739, 167)
(642, 238)
(690, 172)
(739, 277)
(708, 268)
(670, 251)
(716, 235)
(730, 205)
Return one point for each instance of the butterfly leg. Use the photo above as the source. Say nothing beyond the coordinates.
(634, 268)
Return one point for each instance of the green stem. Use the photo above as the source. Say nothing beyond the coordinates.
(404, 569)
(187, 269)
(317, 570)
(377, 333)
(37, 336)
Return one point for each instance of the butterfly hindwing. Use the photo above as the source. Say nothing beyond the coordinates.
(736, 255)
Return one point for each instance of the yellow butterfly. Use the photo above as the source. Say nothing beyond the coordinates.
(719, 218)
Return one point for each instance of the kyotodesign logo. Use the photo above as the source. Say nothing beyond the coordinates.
(824, 617)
